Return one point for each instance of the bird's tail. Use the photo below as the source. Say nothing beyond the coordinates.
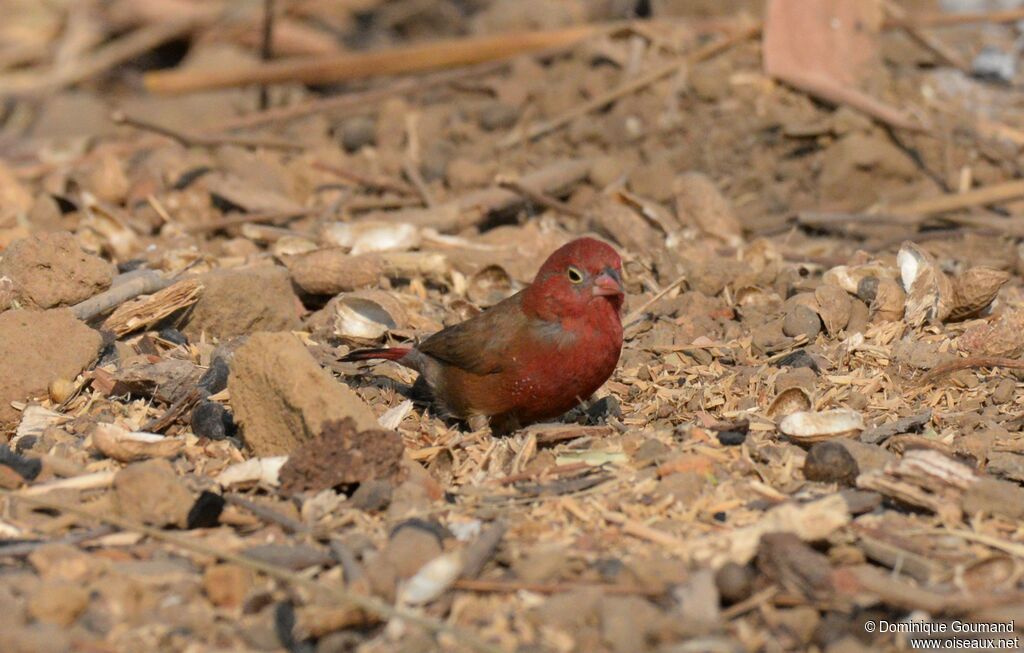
(385, 353)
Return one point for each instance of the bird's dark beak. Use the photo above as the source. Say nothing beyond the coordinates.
(608, 284)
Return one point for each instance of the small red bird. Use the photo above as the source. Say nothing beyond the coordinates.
(533, 356)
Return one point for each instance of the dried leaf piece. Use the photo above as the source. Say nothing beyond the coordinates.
(809, 427)
(126, 446)
(930, 293)
(975, 289)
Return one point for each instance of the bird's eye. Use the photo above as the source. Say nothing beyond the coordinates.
(575, 275)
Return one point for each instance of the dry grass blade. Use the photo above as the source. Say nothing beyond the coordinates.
(367, 603)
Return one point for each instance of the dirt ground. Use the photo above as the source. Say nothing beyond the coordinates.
(813, 438)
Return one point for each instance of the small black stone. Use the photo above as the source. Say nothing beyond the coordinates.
(170, 334)
(28, 468)
(604, 408)
(26, 443)
(731, 438)
(720, 516)
(867, 289)
(798, 358)
(205, 512)
(211, 420)
(215, 378)
(130, 266)
(284, 627)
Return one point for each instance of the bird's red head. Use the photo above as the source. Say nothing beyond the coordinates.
(576, 277)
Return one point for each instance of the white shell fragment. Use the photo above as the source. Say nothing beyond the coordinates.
(254, 470)
(432, 580)
(810, 427)
(371, 236)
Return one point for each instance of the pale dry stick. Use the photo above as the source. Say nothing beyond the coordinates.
(635, 316)
(371, 181)
(946, 19)
(1012, 548)
(898, 18)
(368, 603)
(940, 371)
(361, 65)
(137, 283)
(340, 104)
(189, 139)
(630, 87)
(993, 194)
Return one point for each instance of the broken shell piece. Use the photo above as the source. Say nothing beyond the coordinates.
(834, 307)
(975, 290)
(371, 236)
(432, 580)
(849, 277)
(254, 470)
(930, 293)
(367, 314)
(126, 446)
(791, 400)
(808, 427)
(889, 301)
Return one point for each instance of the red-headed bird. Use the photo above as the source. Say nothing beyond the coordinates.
(533, 356)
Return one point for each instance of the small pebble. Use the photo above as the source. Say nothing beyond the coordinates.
(497, 115)
(734, 582)
(372, 496)
(830, 462)
(60, 390)
(1004, 392)
(357, 133)
(801, 320)
(867, 289)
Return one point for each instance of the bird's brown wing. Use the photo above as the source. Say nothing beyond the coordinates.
(481, 344)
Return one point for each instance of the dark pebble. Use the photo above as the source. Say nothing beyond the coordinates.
(604, 408)
(215, 378)
(867, 289)
(171, 334)
(205, 512)
(284, 627)
(498, 115)
(801, 320)
(28, 468)
(211, 420)
(830, 462)
(798, 358)
(731, 438)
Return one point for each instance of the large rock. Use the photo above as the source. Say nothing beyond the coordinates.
(50, 269)
(37, 347)
(281, 397)
(239, 302)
